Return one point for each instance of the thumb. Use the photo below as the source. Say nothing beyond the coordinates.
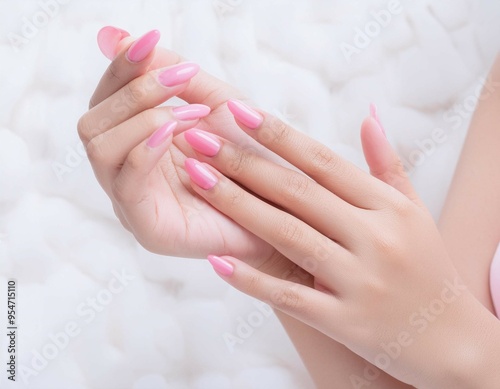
(111, 40)
(382, 160)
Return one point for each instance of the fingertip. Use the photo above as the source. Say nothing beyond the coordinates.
(244, 114)
(376, 148)
(200, 174)
(108, 38)
(143, 46)
(222, 265)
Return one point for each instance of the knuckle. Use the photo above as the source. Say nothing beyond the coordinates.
(323, 160)
(133, 93)
(83, 128)
(295, 187)
(241, 161)
(134, 161)
(275, 131)
(114, 72)
(95, 150)
(150, 119)
(236, 196)
(401, 207)
(394, 176)
(286, 297)
(289, 232)
(374, 290)
(253, 284)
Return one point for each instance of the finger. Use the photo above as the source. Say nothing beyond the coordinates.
(107, 152)
(296, 240)
(383, 161)
(143, 93)
(132, 189)
(132, 61)
(313, 158)
(290, 190)
(114, 42)
(308, 305)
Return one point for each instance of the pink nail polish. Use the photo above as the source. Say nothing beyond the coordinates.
(108, 39)
(200, 175)
(161, 134)
(178, 74)
(143, 46)
(246, 115)
(220, 265)
(203, 142)
(191, 112)
(374, 115)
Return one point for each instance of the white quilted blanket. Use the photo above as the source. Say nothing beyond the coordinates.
(94, 309)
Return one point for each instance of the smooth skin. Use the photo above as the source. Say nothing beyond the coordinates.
(376, 256)
(184, 224)
(330, 363)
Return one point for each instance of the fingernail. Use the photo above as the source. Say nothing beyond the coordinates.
(246, 115)
(143, 46)
(374, 115)
(220, 265)
(178, 74)
(203, 142)
(108, 39)
(200, 175)
(191, 112)
(161, 134)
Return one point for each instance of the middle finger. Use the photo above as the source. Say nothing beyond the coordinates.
(290, 190)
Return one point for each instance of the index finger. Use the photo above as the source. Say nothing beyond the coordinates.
(124, 68)
(206, 89)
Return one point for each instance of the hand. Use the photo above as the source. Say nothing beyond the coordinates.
(152, 196)
(383, 283)
(148, 186)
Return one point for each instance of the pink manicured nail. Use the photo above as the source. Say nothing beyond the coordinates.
(161, 134)
(178, 74)
(200, 175)
(143, 46)
(374, 115)
(246, 115)
(220, 265)
(203, 142)
(108, 39)
(191, 112)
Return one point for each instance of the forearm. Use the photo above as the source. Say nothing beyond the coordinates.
(332, 365)
(470, 220)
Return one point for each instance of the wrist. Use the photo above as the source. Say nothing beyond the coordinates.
(470, 356)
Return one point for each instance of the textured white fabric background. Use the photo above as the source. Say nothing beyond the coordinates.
(60, 239)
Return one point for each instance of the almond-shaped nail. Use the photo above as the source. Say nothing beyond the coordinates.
(246, 115)
(143, 46)
(199, 174)
(203, 142)
(374, 115)
(178, 74)
(191, 111)
(161, 134)
(221, 265)
(108, 38)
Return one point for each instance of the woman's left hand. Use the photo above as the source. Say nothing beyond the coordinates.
(384, 285)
